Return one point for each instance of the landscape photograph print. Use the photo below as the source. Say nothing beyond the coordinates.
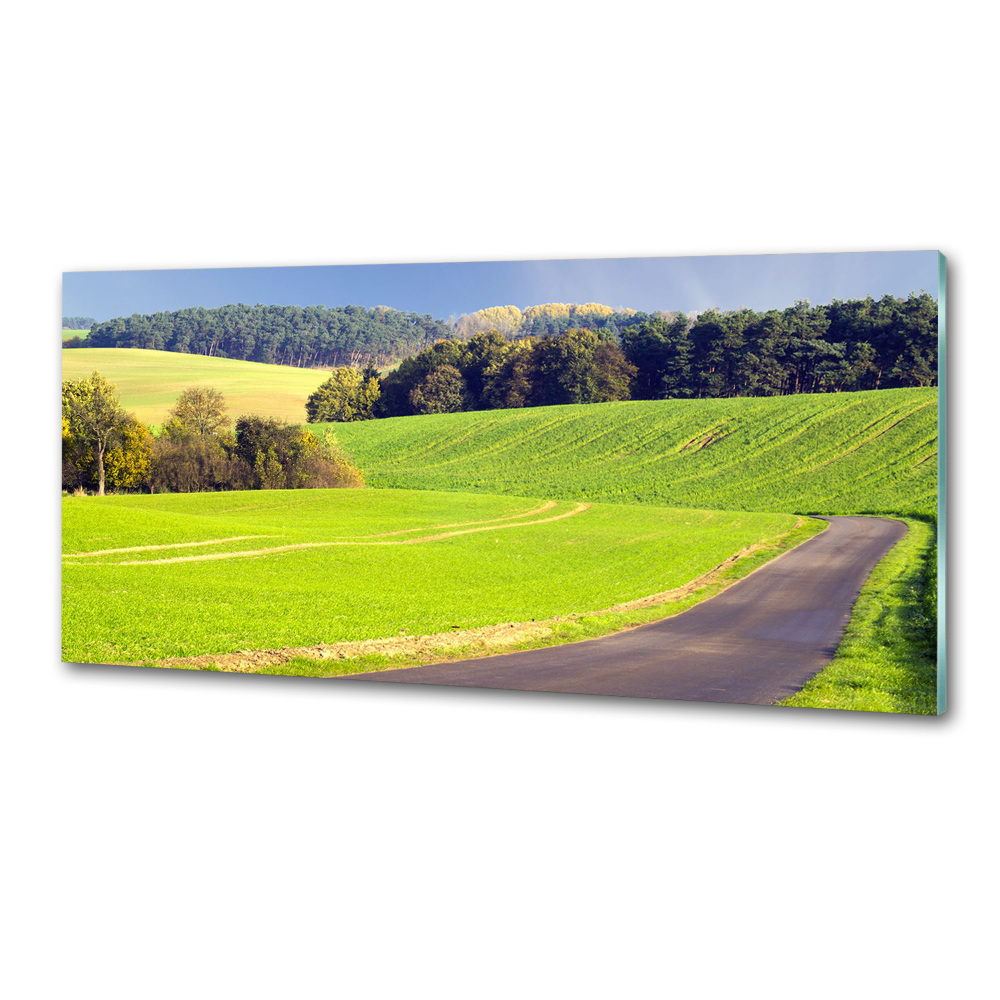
(710, 479)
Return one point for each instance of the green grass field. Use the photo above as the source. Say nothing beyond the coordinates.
(863, 452)
(666, 482)
(150, 381)
(167, 595)
(70, 334)
(886, 661)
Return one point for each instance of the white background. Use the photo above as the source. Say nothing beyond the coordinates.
(222, 836)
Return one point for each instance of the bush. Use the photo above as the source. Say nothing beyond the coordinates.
(328, 469)
(263, 454)
(274, 455)
(192, 464)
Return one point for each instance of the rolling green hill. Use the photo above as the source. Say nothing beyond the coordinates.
(150, 381)
(70, 334)
(860, 452)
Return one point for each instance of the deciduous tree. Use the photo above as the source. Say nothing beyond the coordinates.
(130, 461)
(348, 394)
(201, 410)
(442, 391)
(95, 417)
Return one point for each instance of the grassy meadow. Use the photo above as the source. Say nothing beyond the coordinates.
(476, 519)
(401, 562)
(70, 334)
(149, 382)
(834, 453)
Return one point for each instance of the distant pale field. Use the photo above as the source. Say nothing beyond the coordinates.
(70, 334)
(149, 382)
(148, 577)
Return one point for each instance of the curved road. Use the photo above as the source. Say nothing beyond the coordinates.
(755, 643)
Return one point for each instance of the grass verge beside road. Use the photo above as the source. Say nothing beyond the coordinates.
(886, 661)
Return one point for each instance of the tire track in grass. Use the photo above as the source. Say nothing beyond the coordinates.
(785, 478)
(548, 505)
(511, 442)
(578, 509)
(152, 548)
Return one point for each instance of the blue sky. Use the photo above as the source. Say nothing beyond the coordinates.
(443, 290)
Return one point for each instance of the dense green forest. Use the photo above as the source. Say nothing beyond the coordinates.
(491, 372)
(289, 335)
(78, 322)
(844, 346)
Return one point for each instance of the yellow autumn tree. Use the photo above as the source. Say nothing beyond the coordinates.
(128, 464)
(503, 319)
(547, 310)
(580, 313)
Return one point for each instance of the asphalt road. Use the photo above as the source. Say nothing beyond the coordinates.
(755, 643)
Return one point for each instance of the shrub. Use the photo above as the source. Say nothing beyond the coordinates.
(275, 455)
(192, 464)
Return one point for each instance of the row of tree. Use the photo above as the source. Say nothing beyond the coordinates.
(198, 448)
(859, 343)
(846, 346)
(312, 336)
(324, 337)
(488, 372)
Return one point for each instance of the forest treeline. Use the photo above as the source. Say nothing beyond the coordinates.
(311, 336)
(847, 345)
(198, 448)
(317, 336)
(77, 322)
(852, 344)
(844, 346)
